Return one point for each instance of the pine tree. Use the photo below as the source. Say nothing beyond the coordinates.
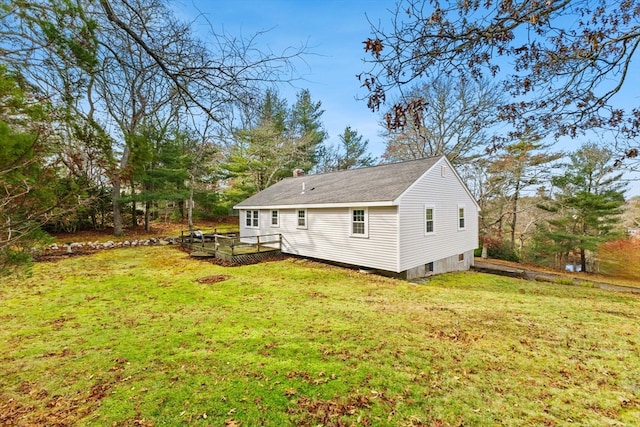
(279, 140)
(28, 170)
(587, 206)
(352, 151)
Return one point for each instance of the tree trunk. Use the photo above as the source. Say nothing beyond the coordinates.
(134, 215)
(583, 260)
(147, 216)
(516, 196)
(190, 205)
(117, 211)
(118, 229)
(181, 209)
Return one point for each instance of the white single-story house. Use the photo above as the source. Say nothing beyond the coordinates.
(413, 218)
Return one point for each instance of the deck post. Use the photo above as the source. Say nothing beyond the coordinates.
(258, 238)
(233, 243)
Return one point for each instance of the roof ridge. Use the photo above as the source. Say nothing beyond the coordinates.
(368, 167)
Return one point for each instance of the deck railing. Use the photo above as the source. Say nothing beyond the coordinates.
(236, 244)
(232, 243)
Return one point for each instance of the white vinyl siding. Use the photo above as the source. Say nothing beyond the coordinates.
(446, 194)
(328, 237)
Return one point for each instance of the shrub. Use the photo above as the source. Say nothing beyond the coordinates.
(498, 249)
(620, 258)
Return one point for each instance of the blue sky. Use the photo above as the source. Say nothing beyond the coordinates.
(333, 30)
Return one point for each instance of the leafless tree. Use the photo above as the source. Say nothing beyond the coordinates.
(561, 61)
(455, 121)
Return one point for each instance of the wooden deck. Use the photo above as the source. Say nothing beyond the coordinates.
(232, 247)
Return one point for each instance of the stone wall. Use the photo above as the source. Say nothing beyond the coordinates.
(73, 247)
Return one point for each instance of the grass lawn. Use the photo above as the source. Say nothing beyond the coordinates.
(148, 337)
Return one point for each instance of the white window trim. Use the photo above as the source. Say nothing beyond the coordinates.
(364, 235)
(464, 217)
(277, 217)
(306, 219)
(433, 219)
(249, 215)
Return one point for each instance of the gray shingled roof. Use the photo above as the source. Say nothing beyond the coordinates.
(383, 183)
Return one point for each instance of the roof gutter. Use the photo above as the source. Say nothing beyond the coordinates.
(319, 205)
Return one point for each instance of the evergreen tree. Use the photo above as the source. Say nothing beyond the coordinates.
(278, 140)
(352, 151)
(307, 128)
(159, 162)
(28, 170)
(587, 205)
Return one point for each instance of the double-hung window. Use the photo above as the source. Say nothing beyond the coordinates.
(461, 222)
(302, 218)
(251, 220)
(275, 218)
(359, 222)
(429, 220)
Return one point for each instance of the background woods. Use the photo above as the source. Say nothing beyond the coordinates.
(117, 113)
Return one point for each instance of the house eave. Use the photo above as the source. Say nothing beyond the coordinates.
(319, 205)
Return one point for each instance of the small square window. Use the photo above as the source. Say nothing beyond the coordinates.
(429, 267)
(460, 257)
(251, 219)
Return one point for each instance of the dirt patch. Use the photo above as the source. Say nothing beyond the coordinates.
(208, 280)
(107, 233)
(60, 255)
(156, 229)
